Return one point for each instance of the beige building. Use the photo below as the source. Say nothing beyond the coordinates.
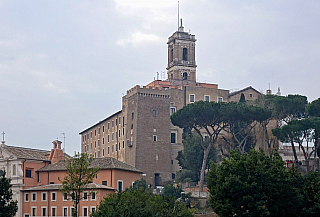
(141, 134)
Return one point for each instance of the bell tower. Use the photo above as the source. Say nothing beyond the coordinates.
(181, 56)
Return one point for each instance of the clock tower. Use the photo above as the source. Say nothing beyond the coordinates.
(181, 56)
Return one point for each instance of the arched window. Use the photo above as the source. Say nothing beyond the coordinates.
(14, 170)
(171, 55)
(185, 54)
(171, 76)
(185, 76)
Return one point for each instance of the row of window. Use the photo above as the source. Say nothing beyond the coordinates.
(116, 147)
(113, 123)
(65, 212)
(206, 98)
(54, 196)
(115, 135)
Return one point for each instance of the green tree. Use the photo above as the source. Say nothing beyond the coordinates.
(242, 118)
(254, 184)
(313, 108)
(242, 98)
(192, 155)
(79, 175)
(284, 109)
(171, 190)
(8, 207)
(299, 132)
(139, 203)
(207, 120)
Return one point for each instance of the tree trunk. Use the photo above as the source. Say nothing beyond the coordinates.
(294, 151)
(203, 168)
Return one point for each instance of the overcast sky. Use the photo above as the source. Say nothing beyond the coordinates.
(64, 65)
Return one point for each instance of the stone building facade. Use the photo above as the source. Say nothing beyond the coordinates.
(142, 134)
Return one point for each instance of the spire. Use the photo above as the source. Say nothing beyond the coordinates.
(181, 28)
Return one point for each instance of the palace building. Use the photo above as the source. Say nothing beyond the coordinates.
(141, 133)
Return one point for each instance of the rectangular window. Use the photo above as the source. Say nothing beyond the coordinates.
(108, 150)
(108, 125)
(26, 215)
(99, 130)
(172, 110)
(112, 136)
(26, 197)
(123, 121)
(91, 134)
(98, 142)
(191, 98)
(173, 137)
(154, 112)
(116, 121)
(98, 153)
(119, 133)
(108, 138)
(65, 196)
(123, 131)
(173, 175)
(132, 115)
(91, 145)
(44, 196)
(34, 197)
(120, 186)
(93, 209)
(119, 120)
(85, 196)
(207, 98)
(122, 144)
(112, 148)
(93, 195)
(53, 211)
(28, 173)
(220, 99)
(103, 128)
(104, 183)
(33, 211)
(65, 211)
(154, 138)
(53, 196)
(112, 124)
(102, 141)
(95, 132)
(95, 144)
(85, 211)
(103, 152)
(116, 134)
(44, 211)
(71, 211)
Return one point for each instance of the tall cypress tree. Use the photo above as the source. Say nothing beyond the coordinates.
(8, 207)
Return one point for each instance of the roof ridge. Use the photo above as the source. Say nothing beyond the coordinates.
(10, 146)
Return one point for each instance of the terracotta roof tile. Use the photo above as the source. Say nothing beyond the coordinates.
(103, 163)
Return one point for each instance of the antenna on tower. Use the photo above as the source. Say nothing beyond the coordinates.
(178, 15)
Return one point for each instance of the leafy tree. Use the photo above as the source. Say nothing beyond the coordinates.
(171, 190)
(140, 184)
(207, 120)
(139, 203)
(254, 184)
(284, 109)
(192, 155)
(242, 98)
(8, 206)
(242, 119)
(299, 131)
(313, 108)
(79, 174)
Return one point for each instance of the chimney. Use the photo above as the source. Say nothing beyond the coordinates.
(56, 153)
